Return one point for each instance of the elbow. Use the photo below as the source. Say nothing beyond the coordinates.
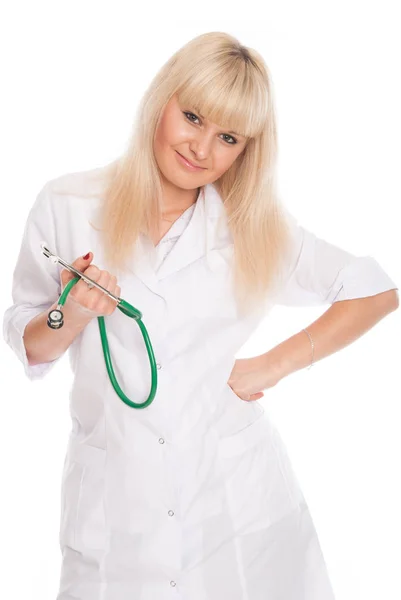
(394, 299)
(389, 300)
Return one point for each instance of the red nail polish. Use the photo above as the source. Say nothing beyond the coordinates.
(86, 256)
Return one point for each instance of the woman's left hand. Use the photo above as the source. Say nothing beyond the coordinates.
(251, 375)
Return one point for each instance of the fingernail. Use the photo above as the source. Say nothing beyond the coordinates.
(86, 256)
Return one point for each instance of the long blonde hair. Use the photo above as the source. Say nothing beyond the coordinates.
(229, 84)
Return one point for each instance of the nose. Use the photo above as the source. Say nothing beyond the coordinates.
(201, 145)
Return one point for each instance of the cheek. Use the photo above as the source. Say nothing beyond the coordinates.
(161, 135)
(165, 139)
(172, 132)
(223, 163)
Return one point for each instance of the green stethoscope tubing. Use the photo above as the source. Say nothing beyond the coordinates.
(132, 312)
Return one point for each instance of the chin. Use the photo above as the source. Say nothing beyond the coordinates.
(185, 182)
(179, 183)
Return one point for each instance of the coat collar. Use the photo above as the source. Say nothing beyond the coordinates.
(206, 232)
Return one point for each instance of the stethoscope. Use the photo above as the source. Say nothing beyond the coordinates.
(55, 320)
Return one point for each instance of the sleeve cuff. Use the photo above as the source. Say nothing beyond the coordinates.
(362, 277)
(15, 339)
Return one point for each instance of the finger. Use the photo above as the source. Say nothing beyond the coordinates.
(107, 304)
(96, 296)
(92, 272)
(114, 288)
(255, 396)
(81, 263)
(81, 288)
(112, 283)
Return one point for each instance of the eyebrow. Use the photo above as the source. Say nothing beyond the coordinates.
(233, 132)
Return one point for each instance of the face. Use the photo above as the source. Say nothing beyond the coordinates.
(204, 144)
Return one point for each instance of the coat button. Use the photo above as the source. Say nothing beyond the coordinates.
(171, 513)
(161, 441)
(172, 583)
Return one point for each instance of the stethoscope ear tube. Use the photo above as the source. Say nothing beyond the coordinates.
(56, 259)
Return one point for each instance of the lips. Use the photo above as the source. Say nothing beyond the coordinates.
(189, 162)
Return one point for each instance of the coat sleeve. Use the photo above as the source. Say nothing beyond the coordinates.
(36, 283)
(319, 272)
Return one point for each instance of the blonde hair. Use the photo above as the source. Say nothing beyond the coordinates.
(229, 84)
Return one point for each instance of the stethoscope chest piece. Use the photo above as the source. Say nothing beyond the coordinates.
(55, 319)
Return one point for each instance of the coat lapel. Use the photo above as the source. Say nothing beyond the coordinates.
(206, 233)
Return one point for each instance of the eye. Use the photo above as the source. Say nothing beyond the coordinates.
(186, 113)
(230, 136)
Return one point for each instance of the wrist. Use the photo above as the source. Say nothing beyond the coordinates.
(275, 362)
(75, 315)
(293, 354)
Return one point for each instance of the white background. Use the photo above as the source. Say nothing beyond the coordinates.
(72, 75)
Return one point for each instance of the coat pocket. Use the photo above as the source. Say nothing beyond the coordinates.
(83, 515)
(260, 484)
(245, 438)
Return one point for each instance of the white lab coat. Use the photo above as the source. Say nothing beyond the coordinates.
(194, 497)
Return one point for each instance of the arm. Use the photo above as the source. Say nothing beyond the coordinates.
(36, 286)
(43, 344)
(359, 290)
(318, 273)
(344, 322)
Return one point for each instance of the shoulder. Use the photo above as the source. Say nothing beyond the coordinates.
(88, 183)
(70, 198)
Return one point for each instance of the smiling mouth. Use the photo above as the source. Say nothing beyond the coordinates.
(190, 163)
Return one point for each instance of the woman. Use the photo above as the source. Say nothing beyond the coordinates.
(193, 497)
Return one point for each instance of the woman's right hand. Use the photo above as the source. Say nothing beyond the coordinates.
(91, 300)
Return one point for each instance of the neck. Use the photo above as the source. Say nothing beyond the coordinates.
(177, 200)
